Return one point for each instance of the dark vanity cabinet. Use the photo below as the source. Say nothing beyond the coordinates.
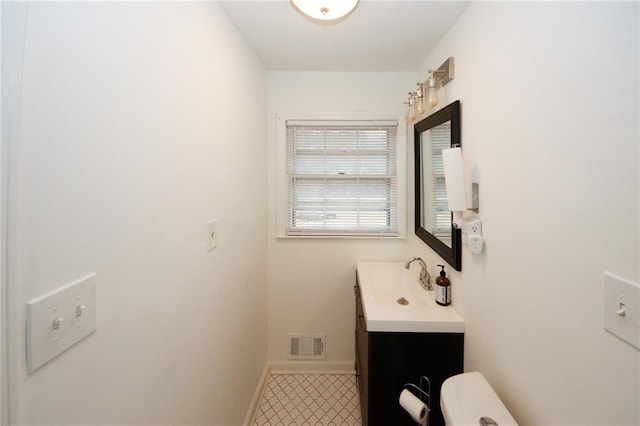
(386, 361)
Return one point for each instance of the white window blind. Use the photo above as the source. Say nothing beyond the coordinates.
(342, 178)
(440, 139)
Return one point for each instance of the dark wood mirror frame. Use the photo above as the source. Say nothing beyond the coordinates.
(452, 255)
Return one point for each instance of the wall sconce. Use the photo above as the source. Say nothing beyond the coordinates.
(439, 78)
(426, 94)
(325, 10)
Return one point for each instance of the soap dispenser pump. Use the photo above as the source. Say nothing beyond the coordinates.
(443, 288)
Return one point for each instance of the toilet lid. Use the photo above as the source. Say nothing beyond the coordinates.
(465, 398)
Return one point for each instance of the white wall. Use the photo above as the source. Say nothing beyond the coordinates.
(549, 95)
(13, 24)
(140, 122)
(311, 280)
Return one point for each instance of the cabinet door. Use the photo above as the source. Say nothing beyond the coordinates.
(396, 359)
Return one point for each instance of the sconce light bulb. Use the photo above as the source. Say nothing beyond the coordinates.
(433, 101)
(420, 99)
(411, 106)
(433, 91)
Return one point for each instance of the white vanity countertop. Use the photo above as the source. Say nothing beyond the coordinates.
(383, 283)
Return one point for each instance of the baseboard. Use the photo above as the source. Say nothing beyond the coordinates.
(322, 366)
(249, 419)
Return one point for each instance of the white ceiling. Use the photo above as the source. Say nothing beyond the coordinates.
(380, 35)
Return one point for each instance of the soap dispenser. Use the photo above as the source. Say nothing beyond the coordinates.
(443, 288)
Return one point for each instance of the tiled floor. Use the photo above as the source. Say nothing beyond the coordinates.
(309, 399)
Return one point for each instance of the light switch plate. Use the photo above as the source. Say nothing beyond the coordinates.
(60, 319)
(621, 303)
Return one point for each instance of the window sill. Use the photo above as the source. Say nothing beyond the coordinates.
(341, 237)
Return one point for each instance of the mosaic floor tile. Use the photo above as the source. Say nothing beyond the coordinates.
(309, 399)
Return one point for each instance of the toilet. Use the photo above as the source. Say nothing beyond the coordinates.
(467, 399)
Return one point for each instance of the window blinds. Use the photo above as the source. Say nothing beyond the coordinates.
(440, 139)
(342, 178)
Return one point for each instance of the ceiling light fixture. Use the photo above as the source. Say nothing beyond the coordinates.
(325, 10)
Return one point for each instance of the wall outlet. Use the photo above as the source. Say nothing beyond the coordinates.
(472, 233)
(476, 242)
(212, 234)
(474, 227)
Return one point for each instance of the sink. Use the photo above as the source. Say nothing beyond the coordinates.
(390, 284)
(393, 300)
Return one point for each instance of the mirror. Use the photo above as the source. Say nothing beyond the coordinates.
(433, 218)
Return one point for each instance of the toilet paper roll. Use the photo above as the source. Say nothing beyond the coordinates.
(412, 405)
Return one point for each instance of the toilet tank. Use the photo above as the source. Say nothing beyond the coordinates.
(467, 398)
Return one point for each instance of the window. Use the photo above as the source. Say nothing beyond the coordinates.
(341, 178)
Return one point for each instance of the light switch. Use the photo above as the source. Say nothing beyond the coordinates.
(60, 319)
(621, 302)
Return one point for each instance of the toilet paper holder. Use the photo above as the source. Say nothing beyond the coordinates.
(422, 393)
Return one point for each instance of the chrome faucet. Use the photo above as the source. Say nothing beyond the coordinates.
(425, 277)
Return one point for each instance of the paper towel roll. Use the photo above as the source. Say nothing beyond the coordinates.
(454, 179)
(412, 405)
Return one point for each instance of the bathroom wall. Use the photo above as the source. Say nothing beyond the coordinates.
(140, 122)
(549, 95)
(13, 23)
(311, 280)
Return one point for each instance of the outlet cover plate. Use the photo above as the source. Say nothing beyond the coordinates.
(620, 293)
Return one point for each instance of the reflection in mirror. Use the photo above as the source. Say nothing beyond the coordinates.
(439, 131)
(436, 216)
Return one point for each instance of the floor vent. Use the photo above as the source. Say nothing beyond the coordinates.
(306, 346)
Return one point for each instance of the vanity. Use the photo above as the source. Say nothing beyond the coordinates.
(397, 342)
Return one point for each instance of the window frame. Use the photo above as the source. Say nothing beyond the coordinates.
(282, 207)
